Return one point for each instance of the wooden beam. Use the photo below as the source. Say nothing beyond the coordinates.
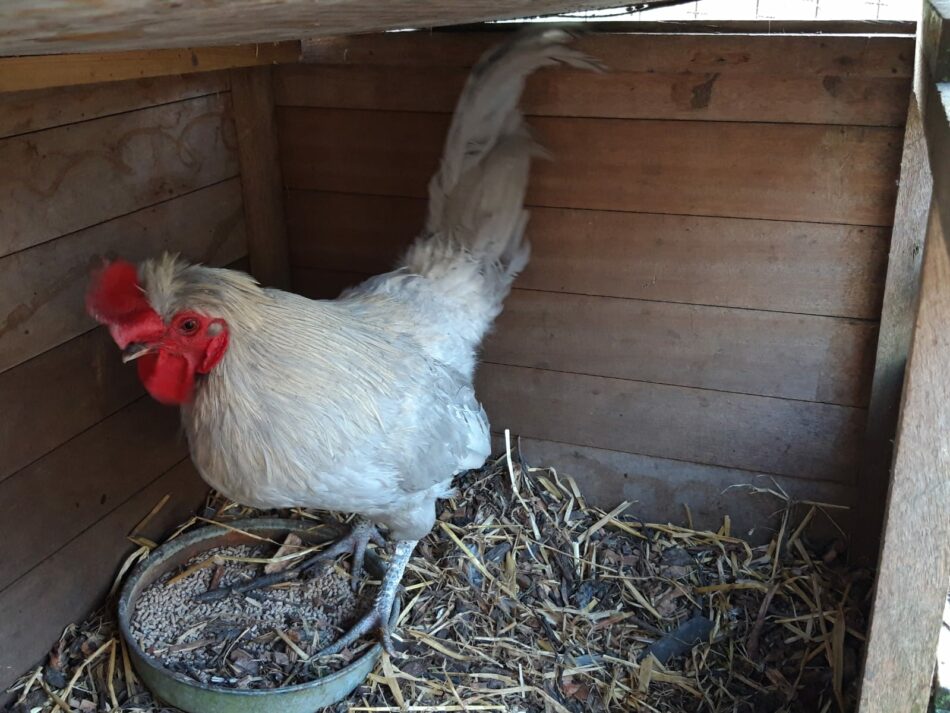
(253, 101)
(897, 319)
(40, 71)
(915, 562)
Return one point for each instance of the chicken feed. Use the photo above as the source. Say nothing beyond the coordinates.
(526, 599)
(241, 640)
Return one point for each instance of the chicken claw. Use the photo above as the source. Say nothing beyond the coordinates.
(354, 543)
(378, 617)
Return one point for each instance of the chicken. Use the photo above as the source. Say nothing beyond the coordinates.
(364, 404)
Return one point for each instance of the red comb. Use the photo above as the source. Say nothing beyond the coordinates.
(115, 294)
(116, 299)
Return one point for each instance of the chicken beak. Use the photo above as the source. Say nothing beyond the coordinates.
(136, 350)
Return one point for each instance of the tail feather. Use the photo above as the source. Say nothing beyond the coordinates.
(473, 246)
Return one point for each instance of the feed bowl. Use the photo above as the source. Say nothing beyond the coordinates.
(194, 697)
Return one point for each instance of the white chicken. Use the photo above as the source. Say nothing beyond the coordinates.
(364, 404)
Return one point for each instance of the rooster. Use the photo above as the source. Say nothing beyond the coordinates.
(364, 404)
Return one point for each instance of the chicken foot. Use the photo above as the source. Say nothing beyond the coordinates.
(355, 544)
(378, 617)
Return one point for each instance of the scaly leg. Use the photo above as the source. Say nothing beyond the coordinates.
(355, 543)
(378, 616)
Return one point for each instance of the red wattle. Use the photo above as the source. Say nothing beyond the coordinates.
(169, 378)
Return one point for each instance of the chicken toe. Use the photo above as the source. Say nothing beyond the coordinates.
(378, 617)
(354, 543)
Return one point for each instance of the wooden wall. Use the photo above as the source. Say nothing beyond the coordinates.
(128, 169)
(710, 245)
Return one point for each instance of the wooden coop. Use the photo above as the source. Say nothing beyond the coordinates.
(725, 285)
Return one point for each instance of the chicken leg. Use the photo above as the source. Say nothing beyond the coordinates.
(354, 543)
(378, 617)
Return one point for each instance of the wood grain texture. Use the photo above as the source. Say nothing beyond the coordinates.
(785, 266)
(261, 182)
(72, 177)
(660, 488)
(41, 299)
(813, 173)
(50, 502)
(746, 351)
(70, 583)
(624, 50)
(51, 398)
(915, 560)
(47, 27)
(798, 439)
(23, 112)
(38, 72)
(893, 345)
(711, 95)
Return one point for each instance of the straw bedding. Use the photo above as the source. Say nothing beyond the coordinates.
(525, 598)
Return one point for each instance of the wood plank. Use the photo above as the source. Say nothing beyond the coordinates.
(51, 398)
(767, 435)
(50, 502)
(62, 392)
(660, 488)
(710, 96)
(261, 182)
(831, 174)
(745, 351)
(41, 303)
(893, 345)
(622, 50)
(69, 584)
(38, 71)
(73, 177)
(43, 26)
(793, 267)
(915, 560)
(22, 112)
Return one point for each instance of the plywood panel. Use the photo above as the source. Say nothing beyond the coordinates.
(711, 95)
(781, 172)
(660, 489)
(805, 440)
(51, 398)
(22, 112)
(71, 582)
(794, 267)
(41, 303)
(747, 351)
(73, 177)
(43, 27)
(47, 504)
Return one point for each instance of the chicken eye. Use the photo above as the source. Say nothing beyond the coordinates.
(189, 326)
